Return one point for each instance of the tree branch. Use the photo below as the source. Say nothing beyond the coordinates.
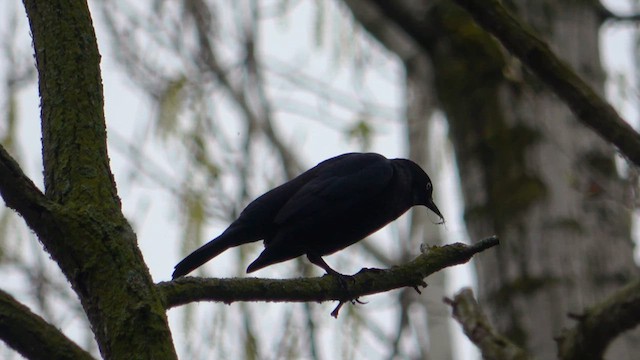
(21, 194)
(478, 329)
(327, 288)
(76, 165)
(32, 336)
(86, 233)
(589, 107)
(601, 324)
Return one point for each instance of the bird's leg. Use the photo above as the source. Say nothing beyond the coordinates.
(342, 279)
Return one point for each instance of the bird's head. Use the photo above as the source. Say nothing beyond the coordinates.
(423, 189)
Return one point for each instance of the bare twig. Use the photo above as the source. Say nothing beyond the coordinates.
(478, 329)
(257, 113)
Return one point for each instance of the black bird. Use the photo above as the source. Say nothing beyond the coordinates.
(325, 209)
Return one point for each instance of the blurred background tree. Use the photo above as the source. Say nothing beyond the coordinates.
(545, 183)
(239, 96)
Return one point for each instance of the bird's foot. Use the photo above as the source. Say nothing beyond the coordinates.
(371, 270)
(355, 301)
(343, 280)
(358, 301)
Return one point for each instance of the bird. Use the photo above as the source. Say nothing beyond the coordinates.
(325, 209)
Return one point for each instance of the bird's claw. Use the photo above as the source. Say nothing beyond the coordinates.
(355, 301)
(343, 280)
(335, 311)
(371, 270)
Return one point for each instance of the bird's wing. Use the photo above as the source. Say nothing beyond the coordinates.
(340, 186)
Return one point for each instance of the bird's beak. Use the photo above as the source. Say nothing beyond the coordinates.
(432, 206)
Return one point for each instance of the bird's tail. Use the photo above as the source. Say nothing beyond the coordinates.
(226, 240)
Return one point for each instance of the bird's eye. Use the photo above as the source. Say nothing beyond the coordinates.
(429, 186)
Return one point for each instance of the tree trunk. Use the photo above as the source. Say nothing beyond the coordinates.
(420, 105)
(544, 183)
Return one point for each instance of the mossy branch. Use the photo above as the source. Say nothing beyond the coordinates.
(476, 326)
(21, 194)
(327, 288)
(601, 324)
(32, 336)
(84, 229)
(74, 151)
